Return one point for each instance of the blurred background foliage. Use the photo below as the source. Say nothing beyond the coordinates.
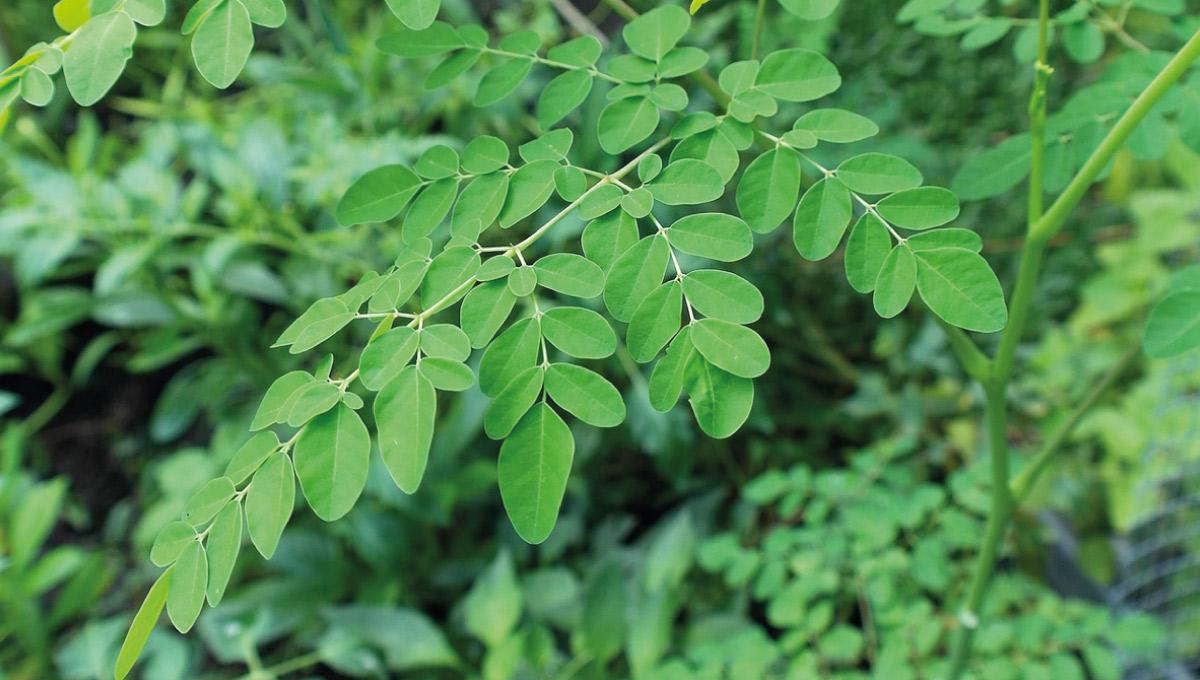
(153, 246)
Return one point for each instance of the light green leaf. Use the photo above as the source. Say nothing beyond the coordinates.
(837, 125)
(723, 295)
(447, 374)
(222, 43)
(649, 167)
(553, 146)
(415, 14)
(600, 201)
(535, 462)
(496, 267)
(960, 287)
(484, 311)
(511, 404)
(71, 14)
(331, 460)
(687, 182)
(405, 413)
(321, 321)
(682, 61)
(529, 188)
(515, 350)
(251, 455)
(378, 196)
(626, 122)
(797, 75)
(1174, 324)
(143, 624)
(712, 147)
(639, 202)
(570, 274)
(579, 332)
(439, 38)
(810, 10)
(447, 272)
(429, 209)
(769, 188)
(437, 162)
(655, 322)
(920, 208)
(995, 171)
(731, 347)
(501, 80)
(985, 33)
(570, 183)
(866, 249)
(636, 273)
(269, 503)
(36, 87)
(522, 281)
(185, 593)
(668, 378)
(170, 543)
(479, 205)
(224, 543)
(386, 356)
(585, 394)
(946, 238)
(606, 239)
(562, 95)
(98, 55)
(208, 500)
(878, 173)
(716, 236)
(655, 33)
(720, 400)
(268, 13)
(896, 282)
(821, 219)
(485, 154)
(492, 608)
(446, 341)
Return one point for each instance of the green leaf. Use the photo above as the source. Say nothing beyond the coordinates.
(437, 162)
(208, 500)
(378, 196)
(331, 459)
(439, 38)
(712, 147)
(1083, 41)
(878, 173)
(639, 202)
(921, 208)
(269, 503)
(405, 413)
(896, 282)
(36, 87)
(655, 322)
(653, 34)
(600, 201)
(268, 13)
(515, 350)
(222, 43)
(492, 608)
(501, 80)
(687, 182)
(251, 455)
(649, 167)
(445, 341)
(716, 236)
(720, 400)
(579, 332)
(71, 14)
(731, 347)
(810, 10)
(769, 188)
(448, 271)
(581, 51)
(485, 154)
(451, 68)
(946, 238)
(98, 55)
(821, 219)
(170, 543)
(535, 462)
(415, 14)
(985, 33)
(185, 593)
(606, 239)
(143, 624)
(626, 122)
(529, 188)
(484, 311)
(319, 322)
(522, 281)
(960, 287)
(669, 97)
(562, 95)
(723, 295)
(224, 543)
(995, 171)
(837, 125)
(429, 209)
(866, 249)
(386, 356)
(682, 61)
(636, 273)
(479, 205)
(570, 183)
(513, 402)
(585, 394)
(604, 621)
(496, 267)
(570, 274)
(797, 75)
(1174, 324)
(447, 374)
(669, 376)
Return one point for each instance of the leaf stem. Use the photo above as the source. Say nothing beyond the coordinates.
(758, 25)
(553, 64)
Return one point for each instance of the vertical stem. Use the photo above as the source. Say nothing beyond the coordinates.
(758, 25)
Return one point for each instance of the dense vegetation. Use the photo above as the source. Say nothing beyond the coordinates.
(620, 341)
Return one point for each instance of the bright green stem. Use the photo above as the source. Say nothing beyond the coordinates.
(1042, 227)
(758, 26)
